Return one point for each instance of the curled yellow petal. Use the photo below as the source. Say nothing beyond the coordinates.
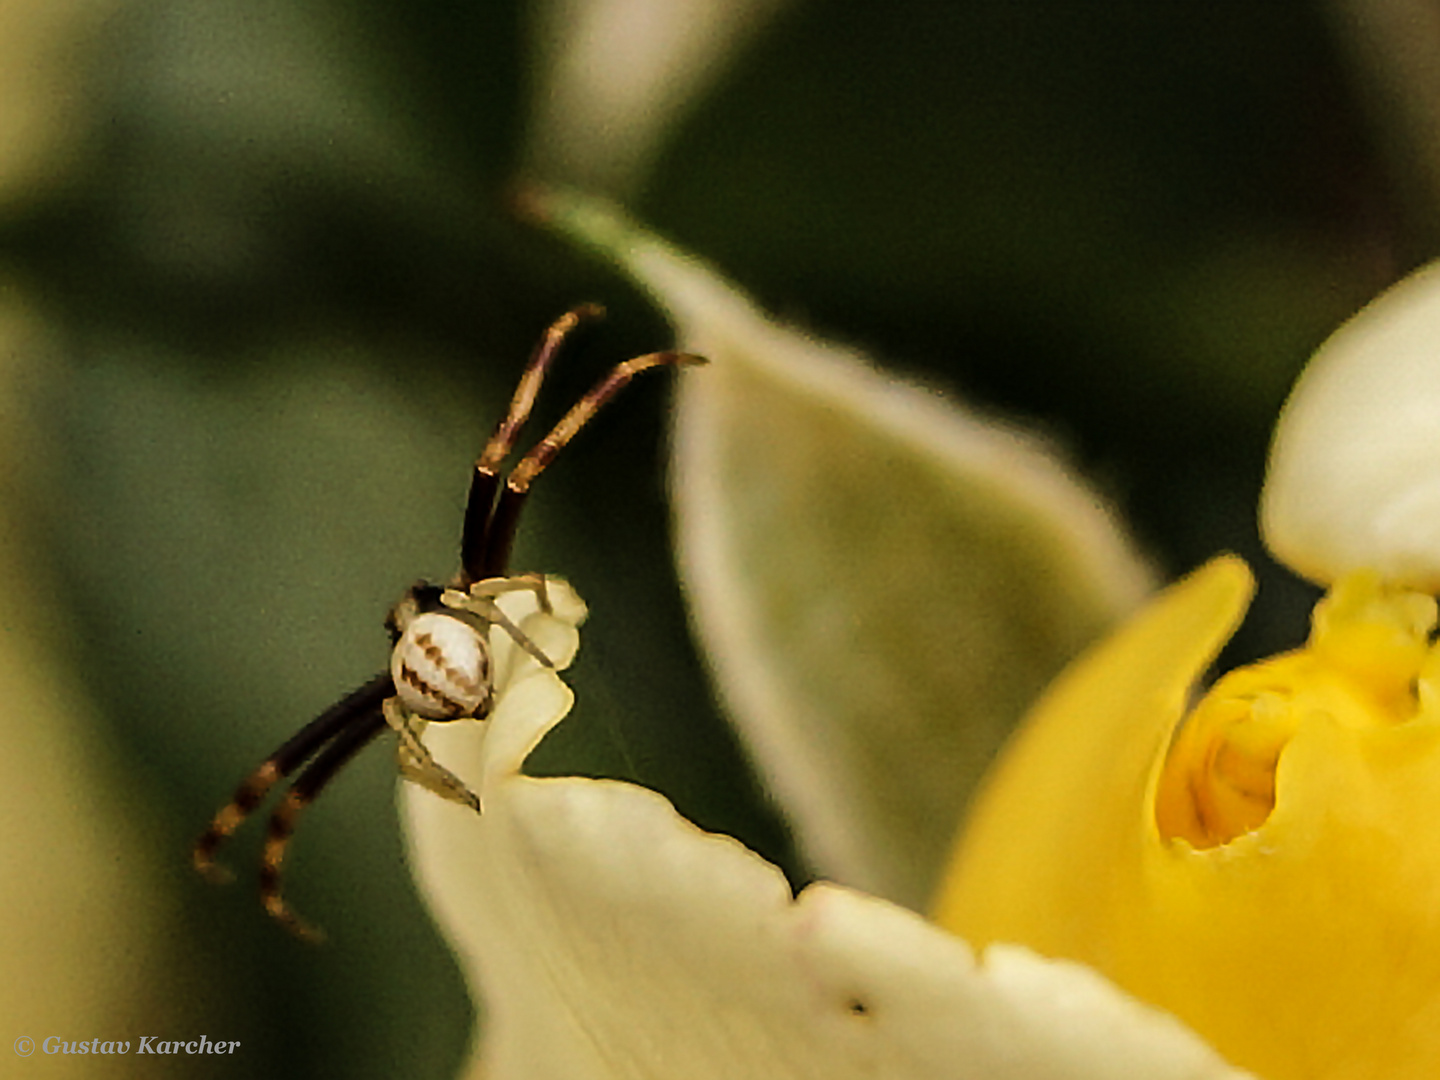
(1271, 875)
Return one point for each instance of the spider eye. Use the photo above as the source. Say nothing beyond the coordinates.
(441, 667)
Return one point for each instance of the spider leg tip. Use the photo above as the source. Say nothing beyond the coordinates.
(284, 914)
(306, 932)
(202, 857)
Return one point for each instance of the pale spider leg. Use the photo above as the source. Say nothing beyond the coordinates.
(280, 764)
(480, 506)
(523, 400)
(534, 463)
(480, 602)
(419, 766)
(487, 611)
(500, 532)
(301, 794)
(531, 580)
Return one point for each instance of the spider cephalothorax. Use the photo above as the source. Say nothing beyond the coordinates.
(440, 666)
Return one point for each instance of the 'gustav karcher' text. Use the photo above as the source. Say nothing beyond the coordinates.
(147, 1044)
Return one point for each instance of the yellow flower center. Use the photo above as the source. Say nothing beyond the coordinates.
(1361, 668)
(1266, 868)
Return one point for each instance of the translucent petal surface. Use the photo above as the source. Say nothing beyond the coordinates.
(609, 938)
(882, 580)
(1304, 947)
(1354, 474)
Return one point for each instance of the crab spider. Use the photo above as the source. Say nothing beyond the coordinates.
(440, 665)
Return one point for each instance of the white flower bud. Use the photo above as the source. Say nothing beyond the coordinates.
(1354, 474)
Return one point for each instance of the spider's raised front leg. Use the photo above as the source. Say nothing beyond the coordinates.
(493, 588)
(479, 600)
(416, 762)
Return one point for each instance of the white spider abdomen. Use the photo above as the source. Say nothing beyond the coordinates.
(441, 668)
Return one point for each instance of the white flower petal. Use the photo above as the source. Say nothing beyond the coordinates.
(610, 938)
(882, 580)
(555, 633)
(529, 698)
(1354, 474)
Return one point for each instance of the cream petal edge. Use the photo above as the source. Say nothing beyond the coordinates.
(608, 937)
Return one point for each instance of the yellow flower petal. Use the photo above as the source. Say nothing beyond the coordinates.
(1276, 884)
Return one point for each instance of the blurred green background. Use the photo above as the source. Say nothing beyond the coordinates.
(264, 298)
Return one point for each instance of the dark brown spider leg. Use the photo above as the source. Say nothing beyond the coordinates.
(485, 481)
(500, 537)
(506, 516)
(302, 793)
(282, 763)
